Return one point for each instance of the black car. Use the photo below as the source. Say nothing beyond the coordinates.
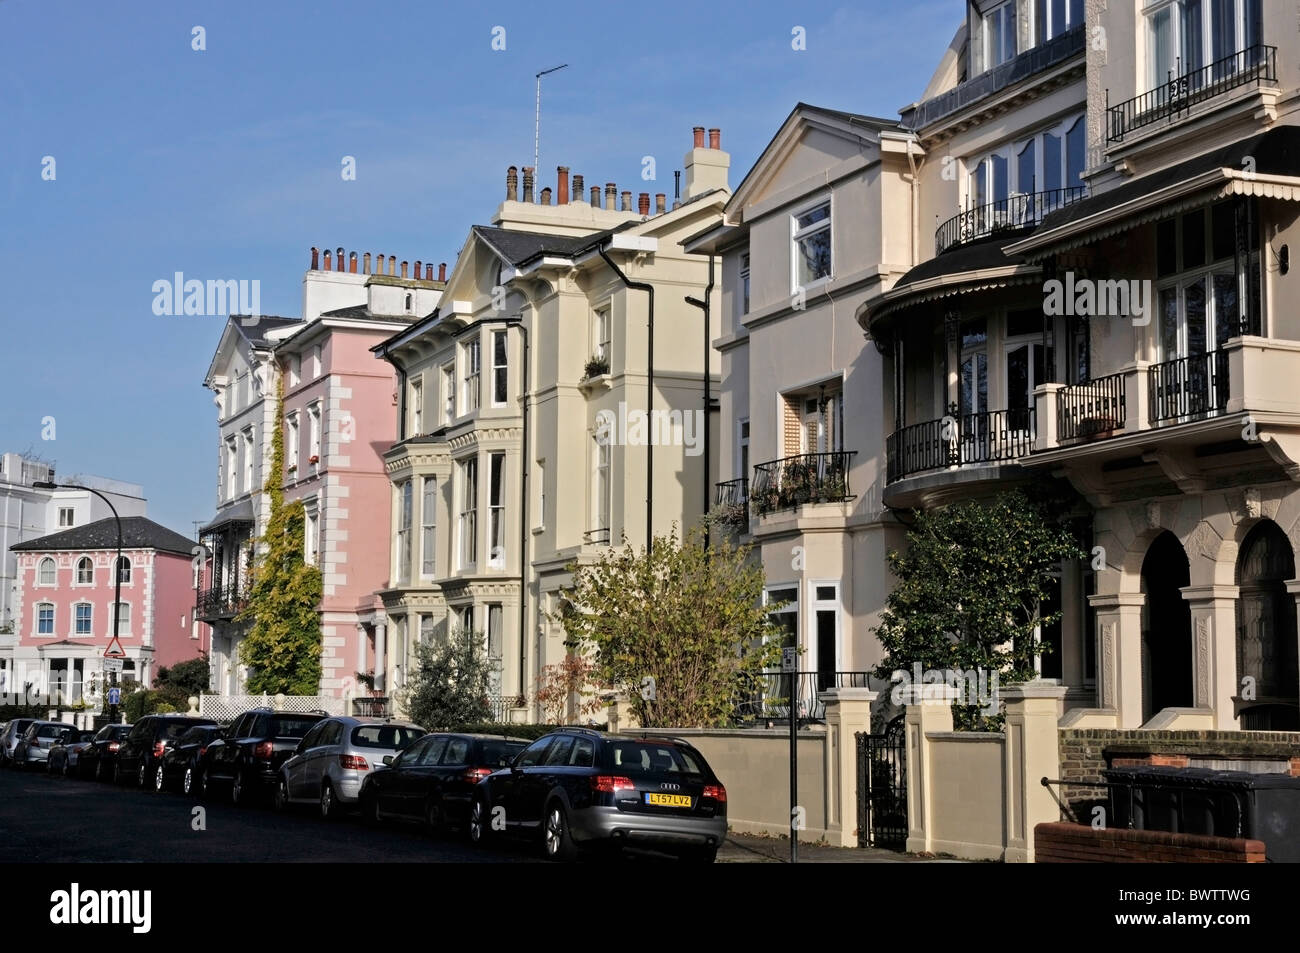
(97, 760)
(140, 757)
(433, 780)
(64, 753)
(247, 757)
(180, 763)
(577, 788)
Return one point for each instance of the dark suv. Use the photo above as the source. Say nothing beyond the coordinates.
(247, 758)
(141, 754)
(576, 787)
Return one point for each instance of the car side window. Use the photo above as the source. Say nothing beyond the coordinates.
(559, 753)
(333, 733)
(457, 751)
(584, 753)
(534, 752)
(139, 730)
(433, 754)
(312, 738)
(412, 754)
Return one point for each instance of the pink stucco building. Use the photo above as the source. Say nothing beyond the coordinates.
(64, 616)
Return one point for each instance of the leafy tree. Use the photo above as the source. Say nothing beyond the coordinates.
(971, 586)
(563, 681)
(449, 686)
(283, 646)
(190, 676)
(682, 628)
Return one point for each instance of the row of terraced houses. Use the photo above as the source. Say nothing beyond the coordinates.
(1068, 259)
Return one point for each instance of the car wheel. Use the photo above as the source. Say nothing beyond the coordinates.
(480, 822)
(187, 780)
(559, 844)
(329, 808)
(281, 801)
(159, 780)
(141, 773)
(238, 795)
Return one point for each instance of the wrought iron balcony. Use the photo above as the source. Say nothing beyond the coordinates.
(769, 697)
(1254, 65)
(807, 478)
(993, 436)
(1014, 212)
(1189, 388)
(220, 602)
(372, 706)
(1092, 409)
(732, 501)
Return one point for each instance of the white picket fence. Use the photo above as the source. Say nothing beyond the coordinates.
(230, 707)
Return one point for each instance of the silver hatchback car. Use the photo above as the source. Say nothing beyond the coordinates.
(334, 758)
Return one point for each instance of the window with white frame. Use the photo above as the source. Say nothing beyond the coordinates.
(826, 632)
(812, 244)
(783, 612)
(466, 619)
(1054, 17)
(293, 364)
(540, 480)
(46, 572)
(123, 618)
(999, 34)
(742, 448)
(315, 361)
(67, 516)
(1202, 40)
(292, 440)
(311, 532)
(600, 333)
(415, 406)
(500, 368)
(497, 510)
(744, 283)
(467, 523)
(82, 614)
(495, 640)
(248, 460)
(85, 571)
(428, 528)
(232, 467)
(602, 488)
(124, 570)
(44, 618)
(471, 384)
(313, 434)
(448, 393)
(405, 493)
(1045, 162)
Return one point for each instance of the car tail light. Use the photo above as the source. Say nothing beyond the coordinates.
(610, 784)
(717, 792)
(352, 762)
(203, 751)
(158, 748)
(475, 775)
(113, 746)
(263, 749)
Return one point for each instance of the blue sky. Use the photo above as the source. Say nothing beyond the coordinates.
(225, 163)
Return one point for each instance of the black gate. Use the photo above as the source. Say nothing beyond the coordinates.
(882, 787)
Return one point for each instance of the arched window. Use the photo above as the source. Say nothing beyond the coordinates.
(45, 573)
(85, 571)
(1266, 632)
(124, 570)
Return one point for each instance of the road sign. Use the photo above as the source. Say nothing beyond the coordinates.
(115, 696)
(112, 665)
(790, 659)
(115, 649)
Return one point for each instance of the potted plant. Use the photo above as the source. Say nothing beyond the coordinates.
(797, 485)
(313, 459)
(293, 468)
(595, 367)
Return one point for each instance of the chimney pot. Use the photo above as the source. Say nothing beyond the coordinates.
(403, 269)
(442, 271)
(677, 188)
(315, 259)
(715, 138)
(417, 270)
(577, 188)
(627, 201)
(546, 195)
(562, 185)
(338, 260)
(698, 131)
(392, 265)
(379, 265)
(428, 272)
(528, 183)
(595, 196)
(643, 203)
(352, 263)
(660, 203)
(512, 184)
(611, 196)
(329, 261)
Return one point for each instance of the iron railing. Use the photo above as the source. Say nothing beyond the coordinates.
(220, 602)
(959, 439)
(732, 501)
(768, 700)
(1008, 214)
(1045, 56)
(500, 706)
(1188, 388)
(1255, 64)
(1090, 409)
(806, 478)
(372, 706)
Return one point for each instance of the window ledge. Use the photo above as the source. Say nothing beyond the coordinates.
(598, 384)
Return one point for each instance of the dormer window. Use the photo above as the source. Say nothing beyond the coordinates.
(1054, 17)
(1000, 34)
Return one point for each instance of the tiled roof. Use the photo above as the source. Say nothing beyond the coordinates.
(138, 532)
(520, 247)
(255, 329)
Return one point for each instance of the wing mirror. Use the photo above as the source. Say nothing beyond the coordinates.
(388, 760)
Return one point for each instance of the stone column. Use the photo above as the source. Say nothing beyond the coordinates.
(1119, 655)
(381, 657)
(848, 712)
(928, 708)
(1046, 426)
(1214, 650)
(1031, 753)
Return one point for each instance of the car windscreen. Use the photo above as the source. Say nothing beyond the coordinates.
(500, 754)
(392, 737)
(119, 732)
(197, 734)
(175, 729)
(289, 726)
(50, 731)
(648, 757)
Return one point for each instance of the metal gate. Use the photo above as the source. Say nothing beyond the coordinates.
(882, 787)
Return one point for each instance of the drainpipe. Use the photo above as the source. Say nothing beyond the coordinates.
(524, 561)
(649, 447)
(708, 389)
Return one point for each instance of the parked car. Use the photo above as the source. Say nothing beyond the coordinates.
(64, 754)
(97, 759)
(180, 763)
(247, 758)
(332, 761)
(35, 744)
(576, 788)
(433, 780)
(140, 757)
(13, 733)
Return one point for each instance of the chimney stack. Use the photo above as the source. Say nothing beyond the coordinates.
(715, 138)
(338, 261)
(352, 263)
(329, 266)
(562, 185)
(315, 259)
(546, 195)
(595, 196)
(577, 188)
(528, 183)
(428, 272)
(404, 269)
(611, 196)
(442, 271)
(392, 265)
(706, 169)
(417, 271)
(379, 264)
(627, 201)
(699, 136)
(643, 203)
(660, 200)
(512, 184)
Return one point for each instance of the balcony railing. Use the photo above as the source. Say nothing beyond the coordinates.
(372, 706)
(1255, 64)
(1188, 388)
(1091, 409)
(807, 478)
(958, 440)
(732, 501)
(1013, 212)
(220, 602)
(770, 697)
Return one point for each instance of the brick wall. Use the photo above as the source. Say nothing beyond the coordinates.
(1075, 843)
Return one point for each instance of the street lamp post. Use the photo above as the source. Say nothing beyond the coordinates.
(117, 570)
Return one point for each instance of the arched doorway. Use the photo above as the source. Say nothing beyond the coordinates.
(1166, 628)
(1266, 632)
